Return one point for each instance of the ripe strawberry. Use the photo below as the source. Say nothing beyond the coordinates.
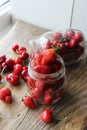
(48, 99)
(43, 69)
(13, 79)
(49, 56)
(17, 69)
(37, 59)
(29, 102)
(46, 115)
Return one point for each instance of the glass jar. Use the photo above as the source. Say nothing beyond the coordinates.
(46, 89)
(69, 44)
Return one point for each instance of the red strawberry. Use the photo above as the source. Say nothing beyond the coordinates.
(37, 59)
(29, 102)
(49, 56)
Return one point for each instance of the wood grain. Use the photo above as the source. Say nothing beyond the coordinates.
(73, 104)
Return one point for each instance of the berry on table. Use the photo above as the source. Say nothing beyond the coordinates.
(46, 115)
(17, 69)
(29, 102)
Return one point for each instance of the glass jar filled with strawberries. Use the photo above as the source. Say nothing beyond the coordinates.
(69, 44)
(46, 77)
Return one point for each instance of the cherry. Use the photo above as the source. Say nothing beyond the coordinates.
(78, 37)
(17, 60)
(29, 102)
(70, 33)
(17, 69)
(9, 63)
(63, 47)
(8, 99)
(2, 59)
(57, 36)
(13, 79)
(30, 82)
(72, 43)
(4, 92)
(24, 74)
(25, 68)
(48, 44)
(24, 55)
(48, 99)
(15, 47)
(46, 115)
(21, 49)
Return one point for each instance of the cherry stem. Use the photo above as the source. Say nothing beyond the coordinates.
(61, 118)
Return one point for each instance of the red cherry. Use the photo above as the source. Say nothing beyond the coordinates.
(9, 63)
(63, 47)
(57, 36)
(57, 66)
(48, 44)
(18, 60)
(46, 115)
(25, 68)
(21, 49)
(24, 74)
(29, 102)
(17, 69)
(78, 37)
(4, 66)
(72, 43)
(48, 99)
(13, 79)
(8, 99)
(24, 55)
(15, 47)
(4, 92)
(70, 33)
(2, 59)
(36, 92)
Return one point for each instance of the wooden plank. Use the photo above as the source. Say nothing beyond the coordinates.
(73, 104)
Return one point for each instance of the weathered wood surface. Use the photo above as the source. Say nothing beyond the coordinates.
(73, 104)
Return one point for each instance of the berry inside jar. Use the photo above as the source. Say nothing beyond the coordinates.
(69, 44)
(46, 77)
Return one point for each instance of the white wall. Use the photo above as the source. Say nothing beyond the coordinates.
(51, 14)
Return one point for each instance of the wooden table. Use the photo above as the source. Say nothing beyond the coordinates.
(16, 116)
